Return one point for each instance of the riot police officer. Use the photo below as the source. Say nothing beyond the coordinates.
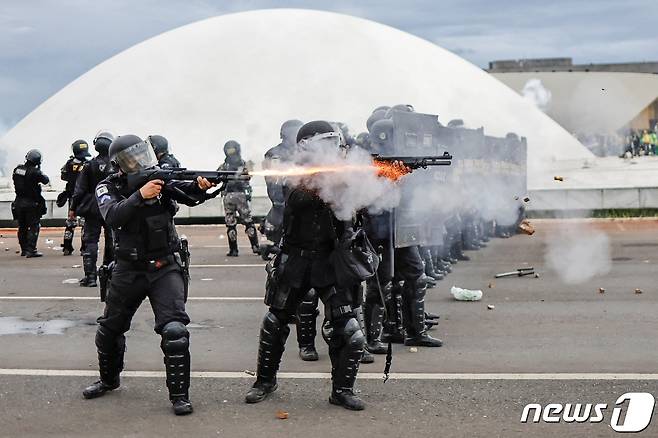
(29, 205)
(148, 264)
(70, 172)
(236, 196)
(161, 147)
(307, 312)
(310, 229)
(84, 204)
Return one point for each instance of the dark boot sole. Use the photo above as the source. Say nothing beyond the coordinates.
(89, 396)
(421, 344)
(333, 401)
(265, 395)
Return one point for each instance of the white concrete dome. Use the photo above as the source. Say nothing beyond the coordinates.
(240, 76)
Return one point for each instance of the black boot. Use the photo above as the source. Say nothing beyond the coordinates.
(373, 319)
(253, 238)
(307, 313)
(31, 254)
(414, 318)
(89, 266)
(175, 346)
(232, 235)
(346, 341)
(31, 239)
(273, 335)
(110, 347)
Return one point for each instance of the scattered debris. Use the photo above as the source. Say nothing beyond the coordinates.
(536, 275)
(490, 306)
(206, 279)
(7, 249)
(526, 199)
(601, 290)
(492, 285)
(461, 294)
(526, 227)
(251, 373)
(638, 291)
(516, 198)
(413, 350)
(70, 281)
(76, 266)
(520, 272)
(281, 415)
(558, 178)
(49, 241)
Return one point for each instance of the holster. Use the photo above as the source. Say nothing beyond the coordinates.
(104, 277)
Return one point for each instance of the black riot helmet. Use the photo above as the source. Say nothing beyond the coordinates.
(406, 108)
(319, 134)
(80, 149)
(456, 123)
(382, 107)
(363, 140)
(159, 143)
(232, 148)
(131, 154)
(381, 135)
(102, 142)
(289, 130)
(33, 156)
(378, 114)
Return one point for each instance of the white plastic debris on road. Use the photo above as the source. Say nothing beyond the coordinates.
(465, 294)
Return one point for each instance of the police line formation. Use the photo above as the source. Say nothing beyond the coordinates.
(131, 189)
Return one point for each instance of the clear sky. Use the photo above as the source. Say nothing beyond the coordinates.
(45, 44)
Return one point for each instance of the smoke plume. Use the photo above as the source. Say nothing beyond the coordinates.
(535, 92)
(577, 253)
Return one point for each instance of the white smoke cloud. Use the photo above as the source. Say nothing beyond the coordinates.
(535, 92)
(578, 253)
(352, 187)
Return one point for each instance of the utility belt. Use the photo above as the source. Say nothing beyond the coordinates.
(150, 265)
(306, 253)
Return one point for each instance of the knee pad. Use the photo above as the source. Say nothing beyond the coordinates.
(250, 229)
(353, 335)
(175, 338)
(232, 232)
(275, 323)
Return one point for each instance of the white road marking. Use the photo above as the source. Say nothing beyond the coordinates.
(82, 298)
(367, 376)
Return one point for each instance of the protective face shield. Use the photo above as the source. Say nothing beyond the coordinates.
(324, 141)
(135, 158)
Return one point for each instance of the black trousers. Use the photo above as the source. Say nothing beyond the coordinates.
(407, 263)
(91, 234)
(29, 224)
(129, 287)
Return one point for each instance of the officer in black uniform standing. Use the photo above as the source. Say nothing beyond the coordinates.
(236, 196)
(310, 229)
(29, 205)
(307, 312)
(70, 172)
(148, 264)
(161, 147)
(84, 204)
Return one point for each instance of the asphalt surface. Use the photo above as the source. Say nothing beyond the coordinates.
(538, 325)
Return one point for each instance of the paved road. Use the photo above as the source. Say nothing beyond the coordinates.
(538, 326)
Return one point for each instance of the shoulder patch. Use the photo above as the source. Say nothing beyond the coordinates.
(20, 171)
(101, 190)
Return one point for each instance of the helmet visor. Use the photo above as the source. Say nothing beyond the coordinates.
(136, 157)
(324, 141)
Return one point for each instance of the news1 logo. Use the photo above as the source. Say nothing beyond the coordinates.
(638, 412)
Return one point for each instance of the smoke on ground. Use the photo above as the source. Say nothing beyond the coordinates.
(577, 252)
